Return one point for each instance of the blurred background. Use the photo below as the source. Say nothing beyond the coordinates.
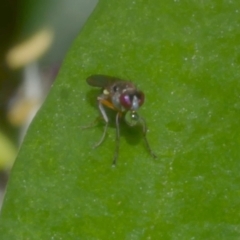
(35, 36)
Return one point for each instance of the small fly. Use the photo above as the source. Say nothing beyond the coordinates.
(124, 98)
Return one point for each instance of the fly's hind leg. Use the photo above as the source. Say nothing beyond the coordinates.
(92, 124)
(117, 139)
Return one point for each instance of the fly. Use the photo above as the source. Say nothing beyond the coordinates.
(124, 98)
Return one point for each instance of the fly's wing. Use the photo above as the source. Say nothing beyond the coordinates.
(101, 81)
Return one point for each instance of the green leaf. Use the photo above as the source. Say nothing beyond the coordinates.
(185, 56)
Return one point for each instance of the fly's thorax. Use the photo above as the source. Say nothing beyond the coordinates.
(116, 101)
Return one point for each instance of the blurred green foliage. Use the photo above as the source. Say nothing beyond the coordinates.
(7, 153)
(185, 56)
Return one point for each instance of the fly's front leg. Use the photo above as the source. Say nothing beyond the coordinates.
(104, 115)
(144, 126)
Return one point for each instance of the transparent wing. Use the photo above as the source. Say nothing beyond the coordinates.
(101, 81)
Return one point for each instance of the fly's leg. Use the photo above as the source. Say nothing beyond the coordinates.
(117, 139)
(93, 124)
(145, 137)
(104, 115)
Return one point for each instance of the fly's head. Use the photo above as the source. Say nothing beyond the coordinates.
(126, 97)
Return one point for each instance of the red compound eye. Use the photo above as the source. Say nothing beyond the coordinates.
(132, 100)
(126, 100)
